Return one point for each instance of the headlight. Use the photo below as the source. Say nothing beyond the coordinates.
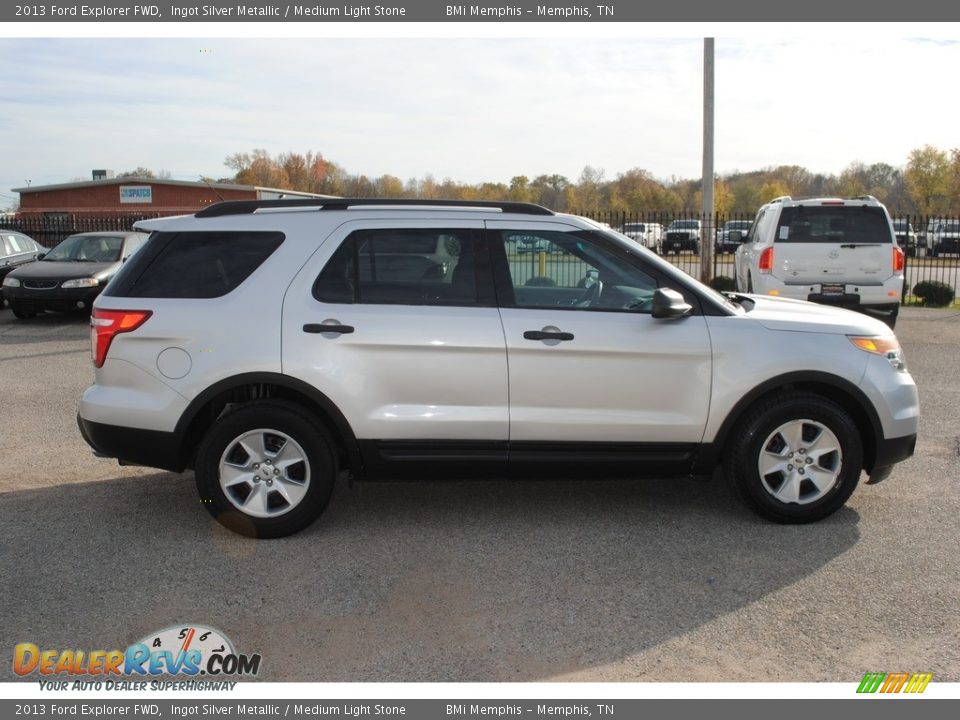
(80, 283)
(887, 347)
(10, 282)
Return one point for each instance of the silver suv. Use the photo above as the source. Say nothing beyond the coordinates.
(271, 345)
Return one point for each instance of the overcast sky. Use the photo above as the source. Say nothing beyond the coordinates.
(473, 110)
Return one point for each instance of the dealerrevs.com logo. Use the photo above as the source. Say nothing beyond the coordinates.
(189, 650)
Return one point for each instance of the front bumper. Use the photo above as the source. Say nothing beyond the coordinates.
(890, 451)
(56, 299)
(680, 242)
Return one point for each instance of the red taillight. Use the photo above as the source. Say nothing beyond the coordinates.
(105, 324)
(765, 264)
(898, 259)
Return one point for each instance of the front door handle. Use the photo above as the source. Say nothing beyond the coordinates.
(547, 335)
(324, 327)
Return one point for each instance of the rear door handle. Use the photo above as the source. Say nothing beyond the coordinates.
(318, 328)
(547, 335)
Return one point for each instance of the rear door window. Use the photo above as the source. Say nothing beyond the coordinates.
(404, 266)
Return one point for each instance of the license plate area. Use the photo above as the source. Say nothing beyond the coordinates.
(831, 289)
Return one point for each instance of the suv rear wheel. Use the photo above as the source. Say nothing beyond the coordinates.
(795, 457)
(266, 469)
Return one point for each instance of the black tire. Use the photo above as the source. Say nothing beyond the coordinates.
(891, 318)
(757, 438)
(316, 472)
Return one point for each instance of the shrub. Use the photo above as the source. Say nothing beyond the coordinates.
(934, 293)
(722, 283)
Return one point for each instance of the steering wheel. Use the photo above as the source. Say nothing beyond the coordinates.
(590, 295)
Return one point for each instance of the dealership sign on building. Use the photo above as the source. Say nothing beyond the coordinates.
(136, 194)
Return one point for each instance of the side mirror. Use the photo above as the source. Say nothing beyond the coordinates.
(41, 256)
(669, 304)
(736, 236)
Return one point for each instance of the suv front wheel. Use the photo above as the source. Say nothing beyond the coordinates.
(266, 469)
(795, 457)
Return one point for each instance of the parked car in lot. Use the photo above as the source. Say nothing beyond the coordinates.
(907, 238)
(729, 243)
(257, 343)
(16, 249)
(71, 275)
(828, 250)
(944, 239)
(648, 234)
(683, 235)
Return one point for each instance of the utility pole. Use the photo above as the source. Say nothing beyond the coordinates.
(707, 235)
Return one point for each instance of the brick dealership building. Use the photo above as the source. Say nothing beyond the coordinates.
(146, 197)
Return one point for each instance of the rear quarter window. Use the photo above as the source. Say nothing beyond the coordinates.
(193, 264)
(833, 224)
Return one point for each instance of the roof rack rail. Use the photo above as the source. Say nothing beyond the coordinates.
(782, 198)
(865, 197)
(246, 207)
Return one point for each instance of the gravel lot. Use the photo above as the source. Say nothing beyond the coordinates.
(606, 580)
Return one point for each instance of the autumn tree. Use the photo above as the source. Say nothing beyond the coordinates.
(259, 169)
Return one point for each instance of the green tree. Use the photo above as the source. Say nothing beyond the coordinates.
(927, 178)
(551, 191)
(389, 186)
(520, 189)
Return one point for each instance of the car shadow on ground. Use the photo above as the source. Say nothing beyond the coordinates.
(45, 327)
(438, 581)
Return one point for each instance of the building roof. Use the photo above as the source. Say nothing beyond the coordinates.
(161, 181)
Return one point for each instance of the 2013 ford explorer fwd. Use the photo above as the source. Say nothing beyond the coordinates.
(261, 345)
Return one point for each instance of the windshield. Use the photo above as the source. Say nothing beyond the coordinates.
(950, 228)
(685, 224)
(738, 225)
(87, 248)
(634, 227)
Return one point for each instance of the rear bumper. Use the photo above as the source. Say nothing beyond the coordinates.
(133, 446)
(882, 296)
